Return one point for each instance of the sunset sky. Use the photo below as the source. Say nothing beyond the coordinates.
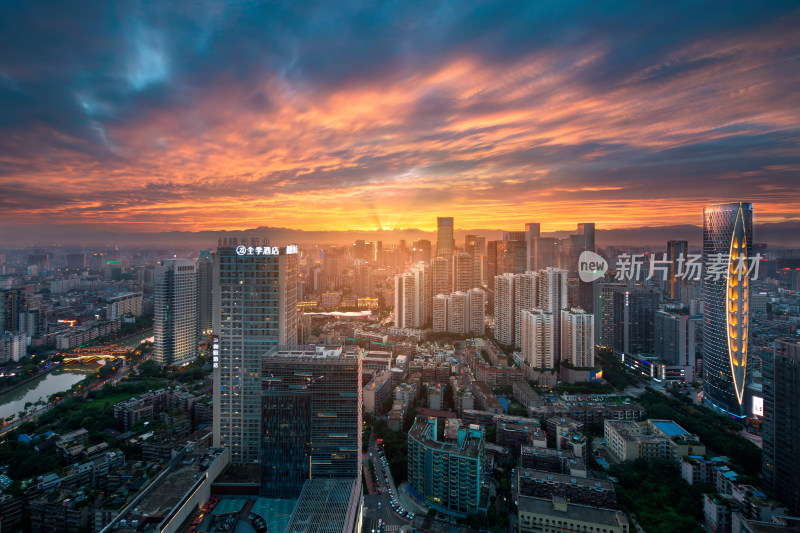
(207, 115)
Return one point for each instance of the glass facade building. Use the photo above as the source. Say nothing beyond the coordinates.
(175, 312)
(255, 309)
(781, 424)
(311, 415)
(727, 245)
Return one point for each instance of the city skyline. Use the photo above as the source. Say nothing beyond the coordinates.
(228, 117)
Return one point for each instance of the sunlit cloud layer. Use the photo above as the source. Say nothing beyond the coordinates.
(186, 116)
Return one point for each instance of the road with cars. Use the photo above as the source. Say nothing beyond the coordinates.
(383, 512)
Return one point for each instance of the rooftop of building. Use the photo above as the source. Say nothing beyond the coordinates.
(573, 512)
(669, 428)
(469, 446)
(322, 506)
(565, 479)
(313, 351)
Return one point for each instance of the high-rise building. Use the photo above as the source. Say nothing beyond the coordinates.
(504, 309)
(447, 474)
(441, 275)
(577, 338)
(445, 243)
(421, 251)
(675, 251)
(539, 338)
(526, 296)
(543, 254)
(411, 297)
(175, 307)
(255, 310)
(781, 423)
(553, 298)
(532, 232)
(463, 272)
(727, 239)
(205, 292)
(12, 303)
(678, 340)
(476, 247)
(462, 313)
(458, 313)
(604, 314)
(311, 417)
(477, 311)
(440, 313)
(634, 319)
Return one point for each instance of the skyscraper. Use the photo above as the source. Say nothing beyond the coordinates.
(412, 301)
(458, 313)
(577, 338)
(12, 303)
(463, 272)
(445, 243)
(634, 319)
(538, 338)
(543, 254)
(526, 296)
(781, 424)
(441, 276)
(552, 299)
(678, 340)
(311, 417)
(504, 309)
(477, 311)
(532, 232)
(175, 307)
(255, 309)
(205, 292)
(728, 242)
(675, 251)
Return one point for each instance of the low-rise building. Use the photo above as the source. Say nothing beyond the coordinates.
(651, 439)
(582, 490)
(555, 515)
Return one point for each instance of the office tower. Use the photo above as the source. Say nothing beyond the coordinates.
(421, 251)
(583, 241)
(458, 313)
(175, 307)
(727, 235)
(311, 417)
(205, 292)
(77, 261)
(333, 261)
(255, 309)
(440, 313)
(441, 276)
(553, 298)
(447, 474)
(634, 319)
(532, 232)
(539, 338)
(604, 314)
(678, 339)
(411, 297)
(577, 338)
(463, 272)
(781, 423)
(476, 247)
(445, 243)
(543, 254)
(12, 303)
(512, 255)
(675, 251)
(504, 309)
(477, 311)
(526, 296)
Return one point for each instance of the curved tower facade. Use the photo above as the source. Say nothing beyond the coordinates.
(727, 247)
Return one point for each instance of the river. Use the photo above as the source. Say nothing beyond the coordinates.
(42, 388)
(59, 380)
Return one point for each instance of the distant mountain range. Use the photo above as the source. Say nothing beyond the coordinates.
(781, 234)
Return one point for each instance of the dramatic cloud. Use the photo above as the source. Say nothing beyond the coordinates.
(152, 116)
